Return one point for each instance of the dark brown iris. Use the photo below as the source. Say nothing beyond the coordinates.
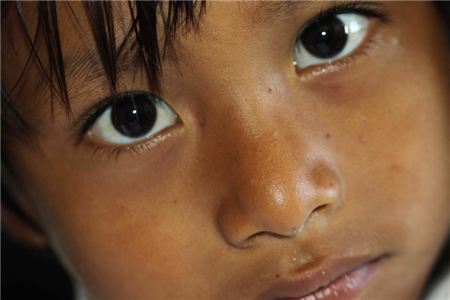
(134, 117)
(325, 38)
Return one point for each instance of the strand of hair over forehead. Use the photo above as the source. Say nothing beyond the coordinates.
(142, 36)
(175, 14)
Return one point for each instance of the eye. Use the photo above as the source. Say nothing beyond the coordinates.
(134, 117)
(330, 38)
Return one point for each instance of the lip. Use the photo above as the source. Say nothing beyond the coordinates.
(337, 278)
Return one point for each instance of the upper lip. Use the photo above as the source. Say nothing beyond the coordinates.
(316, 275)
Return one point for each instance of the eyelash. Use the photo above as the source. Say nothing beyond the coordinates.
(111, 151)
(368, 9)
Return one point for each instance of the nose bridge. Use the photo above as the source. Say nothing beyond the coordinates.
(267, 172)
(273, 191)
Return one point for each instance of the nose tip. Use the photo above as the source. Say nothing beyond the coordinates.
(271, 213)
(280, 204)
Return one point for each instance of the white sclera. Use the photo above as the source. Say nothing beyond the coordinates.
(104, 129)
(356, 27)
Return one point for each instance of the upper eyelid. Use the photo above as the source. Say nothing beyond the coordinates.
(370, 9)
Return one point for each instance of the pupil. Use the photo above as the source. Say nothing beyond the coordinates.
(326, 38)
(134, 118)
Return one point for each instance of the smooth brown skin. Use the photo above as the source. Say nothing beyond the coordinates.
(267, 164)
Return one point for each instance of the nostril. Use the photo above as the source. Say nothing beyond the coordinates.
(261, 234)
(319, 209)
(322, 211)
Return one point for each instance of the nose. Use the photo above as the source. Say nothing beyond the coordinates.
(278, 185)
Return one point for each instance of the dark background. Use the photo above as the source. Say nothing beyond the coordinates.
(29, 273)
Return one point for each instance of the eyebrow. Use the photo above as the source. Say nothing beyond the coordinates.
(84, 65)
(267, 12)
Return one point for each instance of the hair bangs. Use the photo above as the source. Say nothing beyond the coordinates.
(142, 35)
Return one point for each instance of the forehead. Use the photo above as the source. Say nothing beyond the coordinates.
(80, 54)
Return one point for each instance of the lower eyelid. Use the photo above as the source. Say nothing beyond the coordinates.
(100, 148)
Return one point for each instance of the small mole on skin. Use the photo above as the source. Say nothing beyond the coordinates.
(331, 184)
(201, 119)
(328, 136)
(175, 202)
(270, 90)
(277, 276)
(395, 168)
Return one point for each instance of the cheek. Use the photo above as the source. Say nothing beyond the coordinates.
(417, 129)
(388, 122)
(398, 162)
(391, 138)
(119, 228)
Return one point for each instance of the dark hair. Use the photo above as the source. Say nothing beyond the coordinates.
(141, 39)
(142, 36)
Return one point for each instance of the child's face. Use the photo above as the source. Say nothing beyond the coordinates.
(270, 172)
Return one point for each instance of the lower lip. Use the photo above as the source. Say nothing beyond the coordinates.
(347, 286)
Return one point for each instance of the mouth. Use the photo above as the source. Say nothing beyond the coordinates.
(336, 279)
